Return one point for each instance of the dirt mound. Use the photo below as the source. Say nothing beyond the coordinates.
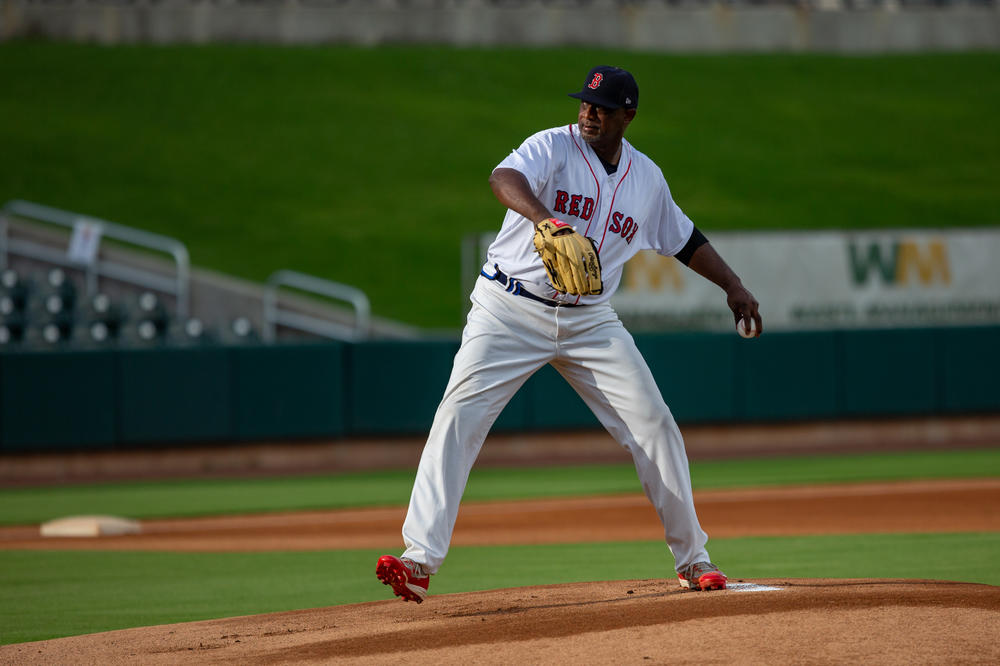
(651, 621)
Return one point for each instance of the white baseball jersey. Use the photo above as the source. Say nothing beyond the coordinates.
(624, 212)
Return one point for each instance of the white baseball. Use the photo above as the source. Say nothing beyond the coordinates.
(743, 332)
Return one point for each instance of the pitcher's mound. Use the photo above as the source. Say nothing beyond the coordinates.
(649, 621)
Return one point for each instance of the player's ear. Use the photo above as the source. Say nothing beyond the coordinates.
(629, 115)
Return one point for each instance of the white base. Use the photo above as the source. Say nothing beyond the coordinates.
(90, 526)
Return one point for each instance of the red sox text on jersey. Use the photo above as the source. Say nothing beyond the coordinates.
(582, 207)
(624, 212)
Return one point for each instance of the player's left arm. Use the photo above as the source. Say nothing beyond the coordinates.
(705, 261)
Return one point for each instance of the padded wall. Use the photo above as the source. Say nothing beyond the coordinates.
(78, 400)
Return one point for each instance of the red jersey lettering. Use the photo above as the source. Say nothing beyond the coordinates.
(561, 199)
(616, 223)
(574, 204)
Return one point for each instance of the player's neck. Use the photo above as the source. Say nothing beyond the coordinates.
(609, 168)
(609, 155)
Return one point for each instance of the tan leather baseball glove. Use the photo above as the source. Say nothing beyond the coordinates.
(570, 259)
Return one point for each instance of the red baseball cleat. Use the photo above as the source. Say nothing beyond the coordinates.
(407, 578)
(702, 576)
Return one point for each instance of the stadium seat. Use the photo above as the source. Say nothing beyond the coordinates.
(241, 331)
(190, 332)
(11, 328)
(102, 318)
(13, 292)
(46, 335)
(152, 311)
(59, 286)
(146, 322)
(9, 335)
(47, 314)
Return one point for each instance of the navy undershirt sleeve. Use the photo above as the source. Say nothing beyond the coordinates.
(697, 240)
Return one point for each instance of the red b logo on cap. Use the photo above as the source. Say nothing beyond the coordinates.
(596, 82)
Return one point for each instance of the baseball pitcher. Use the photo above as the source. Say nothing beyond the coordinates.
(581, 202)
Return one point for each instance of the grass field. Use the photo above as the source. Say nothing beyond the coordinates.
(212, 497)
(56, 593)
(347, 162)
(358, 164)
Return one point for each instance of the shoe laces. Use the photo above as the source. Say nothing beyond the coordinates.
(416, 569)
(698, 569)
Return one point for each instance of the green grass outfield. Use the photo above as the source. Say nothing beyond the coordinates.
(46, 594)
(163, 499)
(354, 164)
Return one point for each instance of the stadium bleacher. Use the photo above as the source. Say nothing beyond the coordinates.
(57, 292)
(45, 310)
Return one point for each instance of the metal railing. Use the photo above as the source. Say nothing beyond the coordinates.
(93, 266)
(275, 316)
(473, 255)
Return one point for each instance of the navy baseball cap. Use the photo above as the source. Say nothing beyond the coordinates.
(611, 87)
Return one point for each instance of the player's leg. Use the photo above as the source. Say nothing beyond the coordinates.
(607, 370)
(501, 348)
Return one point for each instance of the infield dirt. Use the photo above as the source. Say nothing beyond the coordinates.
(610, 622)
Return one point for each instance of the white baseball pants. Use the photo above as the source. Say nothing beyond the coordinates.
(507, 338)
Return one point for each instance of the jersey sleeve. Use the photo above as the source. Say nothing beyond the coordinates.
(673, 228)
(536, 158)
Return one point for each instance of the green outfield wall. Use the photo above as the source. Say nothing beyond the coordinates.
(103, 399)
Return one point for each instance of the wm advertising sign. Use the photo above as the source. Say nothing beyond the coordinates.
(900, 261)
(827, 280)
